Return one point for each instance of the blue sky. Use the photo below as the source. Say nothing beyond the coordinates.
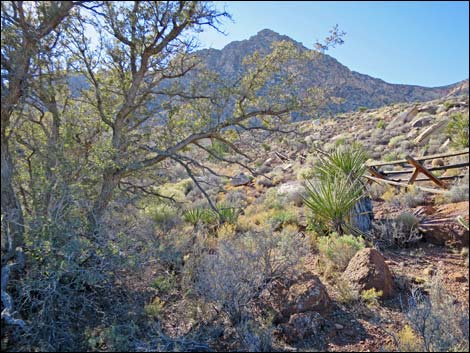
(423, 43)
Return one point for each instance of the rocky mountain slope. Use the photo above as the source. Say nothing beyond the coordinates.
(357, 89)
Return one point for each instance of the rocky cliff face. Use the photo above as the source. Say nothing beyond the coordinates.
(358, 90)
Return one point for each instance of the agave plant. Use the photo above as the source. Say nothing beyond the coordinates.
(332, 201)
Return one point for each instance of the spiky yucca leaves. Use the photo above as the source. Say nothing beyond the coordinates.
(331, 200)
(347, 162)
(339, 188)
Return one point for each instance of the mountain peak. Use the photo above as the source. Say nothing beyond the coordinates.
(268, 33)
(270, 36)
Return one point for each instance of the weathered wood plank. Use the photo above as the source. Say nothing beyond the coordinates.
(413, 176)
(424, 158)
(426, 172)
(408, 171)
(434, 191)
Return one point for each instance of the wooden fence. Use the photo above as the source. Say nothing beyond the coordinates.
(415, 167)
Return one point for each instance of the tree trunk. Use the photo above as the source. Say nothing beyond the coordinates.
(11, 208)
(110, 182)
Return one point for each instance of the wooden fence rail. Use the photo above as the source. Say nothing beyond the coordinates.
(418, 168)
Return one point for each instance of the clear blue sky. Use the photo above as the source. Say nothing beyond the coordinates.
(422, 43)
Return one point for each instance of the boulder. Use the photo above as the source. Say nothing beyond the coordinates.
(302, 326)
(428, 108)
(240, 179)
(421, 121)
(302, 294)
(403, 118)
(265, 182)
(367, 270)
(292, 191)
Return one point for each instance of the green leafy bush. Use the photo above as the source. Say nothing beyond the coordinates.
(458, 129)
(337, 250)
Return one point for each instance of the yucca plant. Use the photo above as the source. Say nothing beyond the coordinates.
(228, 214)
(331, 201)
(347, 161)
(196, 215)
(339, 193)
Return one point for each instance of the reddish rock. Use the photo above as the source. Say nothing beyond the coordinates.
(458, 277)
(302, 326)
(302, 294)
(367, 270)
(309, 294)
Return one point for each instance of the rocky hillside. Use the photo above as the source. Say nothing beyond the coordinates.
(357, 89)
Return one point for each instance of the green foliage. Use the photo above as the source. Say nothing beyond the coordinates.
(458, 129)
(462, 222)
(381, 124)
(164, 284)
(362, 109)
(228, 214)
(218, 150)
(337, 250)
(196, 215)
(339, 187)
(208, 216)
(394, 141)
(371, 297)
(347, 162)
(331, 201)
(154, 308)
(391, 156)
(282, 218)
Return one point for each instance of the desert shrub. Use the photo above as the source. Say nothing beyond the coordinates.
(226, 230)
(235, 198)
(401, 231)
(236, 272)
(380, 124)
(178, 190)
(154, 308)
(164, 284)
(272, 200)
(336, 251)
(305, 173)
(411, 198)
(458, 129)
(441, 324)
(391, 156)
(458, 192)
(253, 336)
(218, 149)
(371, 297)
(407, 340)
(394, 141)
(346, 294)
(376, 190)
(164, 215)
(282, 218)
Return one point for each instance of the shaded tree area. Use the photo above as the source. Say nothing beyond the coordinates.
(71, 153)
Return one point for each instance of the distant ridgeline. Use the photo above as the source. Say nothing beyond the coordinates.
(356, 90)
